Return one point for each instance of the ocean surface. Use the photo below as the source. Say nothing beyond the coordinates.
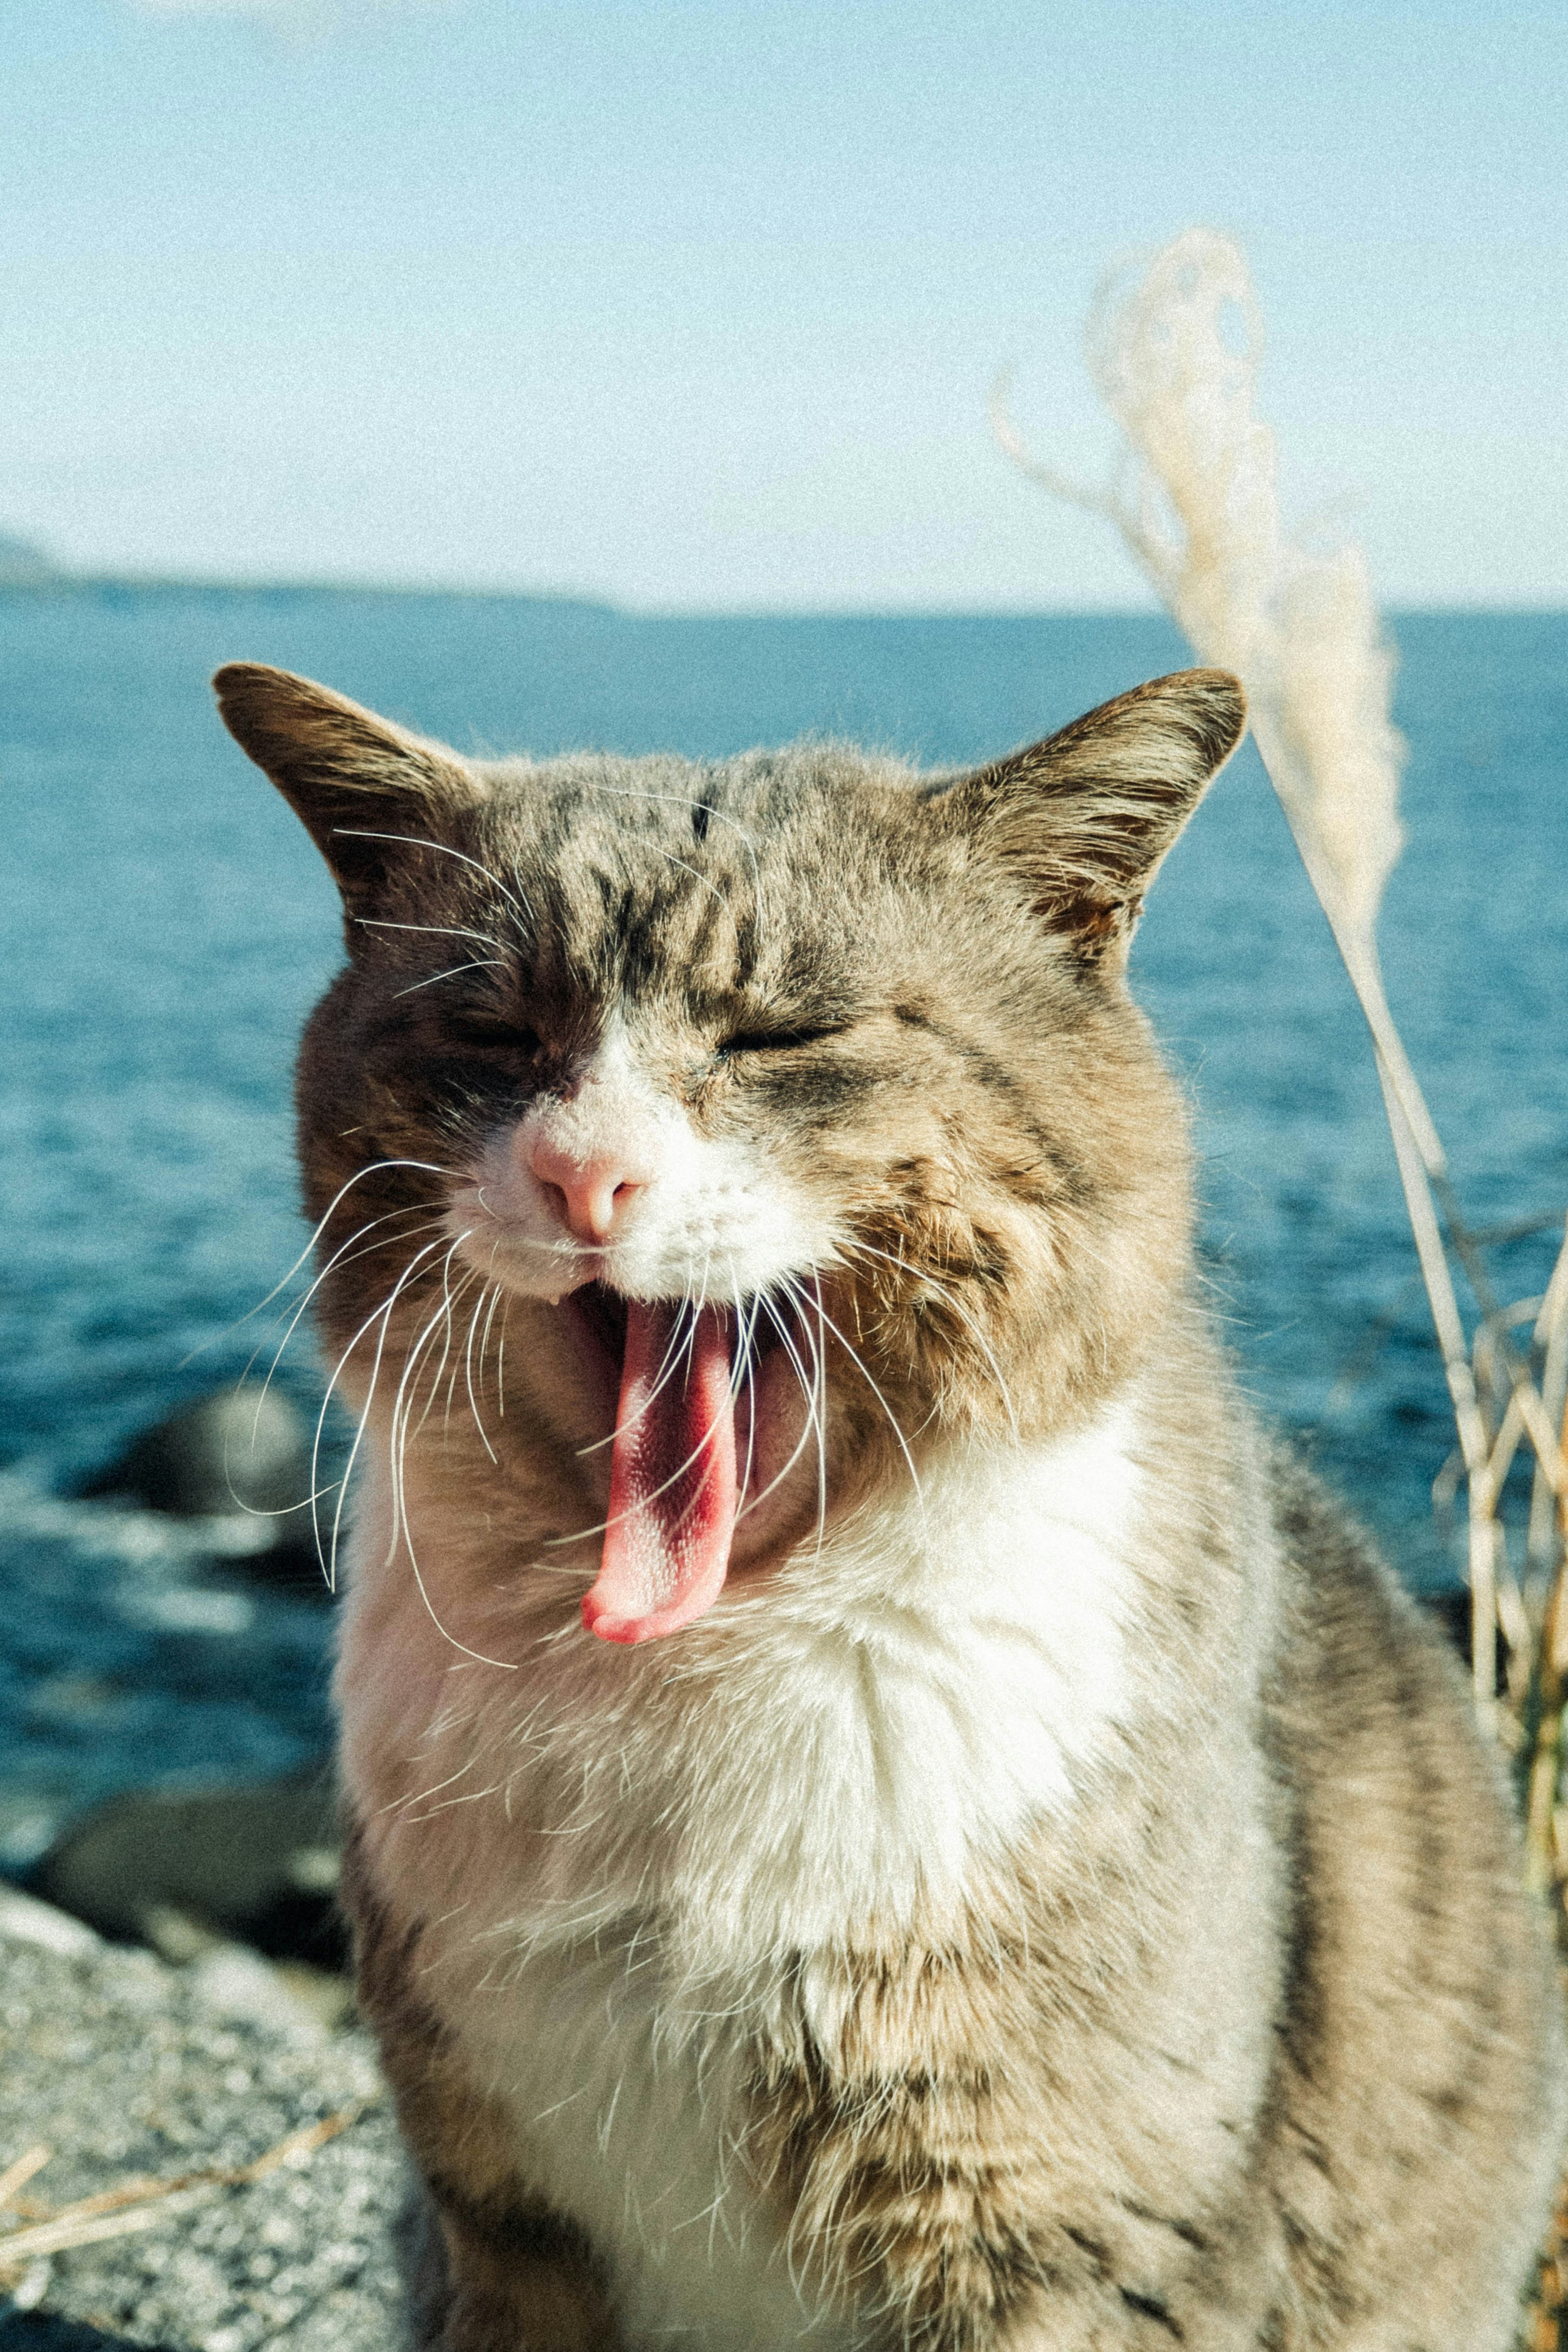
(166, 925)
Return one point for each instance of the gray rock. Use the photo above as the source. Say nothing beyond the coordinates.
(257, 1862)
(127, 2068)
(241, 1449)
(24, 1920)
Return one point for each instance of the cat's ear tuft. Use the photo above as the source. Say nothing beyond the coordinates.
(1084, 818)
(353, 780)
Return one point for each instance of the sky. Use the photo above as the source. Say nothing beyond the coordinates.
(695, 304)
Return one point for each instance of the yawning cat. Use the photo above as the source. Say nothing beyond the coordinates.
(881, 1814)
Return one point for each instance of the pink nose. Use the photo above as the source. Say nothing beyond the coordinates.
(591, 1196)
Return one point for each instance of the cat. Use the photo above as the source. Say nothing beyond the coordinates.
(882, 1811)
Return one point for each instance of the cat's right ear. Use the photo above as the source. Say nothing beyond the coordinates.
(358, 784)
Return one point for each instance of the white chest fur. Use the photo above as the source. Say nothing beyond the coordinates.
(628, 2115)
(629, 1845)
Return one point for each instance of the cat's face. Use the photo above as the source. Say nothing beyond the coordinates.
(789, 1116)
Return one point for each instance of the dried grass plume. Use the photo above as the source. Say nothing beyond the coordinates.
(1175, 353)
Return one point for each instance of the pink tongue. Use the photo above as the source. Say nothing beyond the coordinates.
(672, 1478)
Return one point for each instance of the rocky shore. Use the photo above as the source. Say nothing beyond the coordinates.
(122, 2074)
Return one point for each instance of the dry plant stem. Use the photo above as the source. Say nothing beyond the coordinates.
(1359, 956)
(1401, 1093)
(1547, 1560)
(61, 2237)
(140, 2204)
(1543, 1541)
(1533, 1411)
(1546, 1762)
(17, 2175)
(1467, 1417)
(1423, 1170)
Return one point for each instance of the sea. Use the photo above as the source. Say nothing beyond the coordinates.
(165, 926)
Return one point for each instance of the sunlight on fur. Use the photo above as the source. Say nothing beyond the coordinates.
(852, 1739)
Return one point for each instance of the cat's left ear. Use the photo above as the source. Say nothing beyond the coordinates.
(1084, 818)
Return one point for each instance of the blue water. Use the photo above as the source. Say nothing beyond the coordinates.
(166, 925)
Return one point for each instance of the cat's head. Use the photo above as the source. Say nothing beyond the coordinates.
(789, 1113)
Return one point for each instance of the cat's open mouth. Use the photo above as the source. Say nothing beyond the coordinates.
(693, 1389)
(598, 1315)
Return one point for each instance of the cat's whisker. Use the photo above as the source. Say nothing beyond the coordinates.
(570, 1250)
(402, 1531)
(826, 1321)
(468, 1366)
(497, 1291)
(820, 1399)
(419, 841)
(412, 1353)
(808, 1390)
(452, 971)
(731, 1393)
(458, 1367)
(500, 1299)
(507, 1665)
(382, 1314)
(669, 855)
(744, 1377)
(440, 1321)
(402, 1804)
(682, 800)
(424, 1342)
(618, 1519)
(376, 1167)
(501, 1360)
(675, 1349)
(319, 1492)
(430, 930)
(346, 1255)
(819, 1372)
(741, 1364)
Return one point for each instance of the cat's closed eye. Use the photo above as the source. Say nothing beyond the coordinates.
(489, 1033)
(777, 1041)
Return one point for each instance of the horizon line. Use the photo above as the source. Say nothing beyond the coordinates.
(56, 581)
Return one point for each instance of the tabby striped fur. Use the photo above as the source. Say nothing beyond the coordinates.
(1054, 1900)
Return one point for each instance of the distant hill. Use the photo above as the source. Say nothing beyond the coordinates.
(23, 565)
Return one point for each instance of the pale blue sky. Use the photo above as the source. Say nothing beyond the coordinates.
(696, 303)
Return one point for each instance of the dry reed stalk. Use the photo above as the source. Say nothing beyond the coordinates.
(141, 2204)
(1546, 2322)
(17, 2175)
(1175, 354)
